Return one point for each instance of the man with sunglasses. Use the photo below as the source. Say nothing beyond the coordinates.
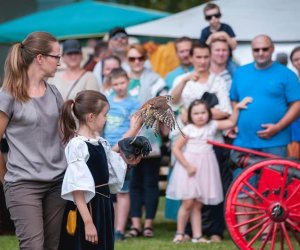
(264, 125)
(216, 29)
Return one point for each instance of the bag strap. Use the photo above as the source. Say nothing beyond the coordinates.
(74, 84)
(211, 82)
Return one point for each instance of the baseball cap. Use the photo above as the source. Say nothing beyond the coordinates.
(71, 46)
(117, 31)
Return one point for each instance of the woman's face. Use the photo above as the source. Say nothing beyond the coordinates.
(52, 60)
(72, 60)
(109, 65)
(136, 60)
(201, 60)
(296, 61)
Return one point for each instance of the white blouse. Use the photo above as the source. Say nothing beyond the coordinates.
(194, 90)
(78, 175)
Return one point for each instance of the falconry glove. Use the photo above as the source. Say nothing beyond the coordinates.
(135, 148)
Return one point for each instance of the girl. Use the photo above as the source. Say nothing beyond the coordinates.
(195, 179)
(88, 179)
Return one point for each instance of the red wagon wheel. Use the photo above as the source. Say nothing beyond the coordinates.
(262, 209)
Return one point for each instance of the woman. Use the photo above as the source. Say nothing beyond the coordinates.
(294, 146)
(192, 86)
(144, 191)
(74, 78)
(29, 113)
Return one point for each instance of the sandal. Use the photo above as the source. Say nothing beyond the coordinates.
(178, 238)
(200, 239)
(148, 232)
(133, 232)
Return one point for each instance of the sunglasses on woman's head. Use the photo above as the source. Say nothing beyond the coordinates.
(209, 17)
(133, 59)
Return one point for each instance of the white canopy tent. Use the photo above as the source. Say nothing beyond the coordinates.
(248, 18)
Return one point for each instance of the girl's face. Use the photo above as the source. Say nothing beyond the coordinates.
(109, 65)
(97, 122)
(201, 60)
(136, 60)
(199, 115)
(120, 86)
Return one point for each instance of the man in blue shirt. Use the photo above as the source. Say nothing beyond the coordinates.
(183, 47)
(276, 100)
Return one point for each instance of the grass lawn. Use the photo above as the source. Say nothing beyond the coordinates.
(164, 232)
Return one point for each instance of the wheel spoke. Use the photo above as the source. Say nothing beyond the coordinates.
(248, 205)
(294, 215)
(259, 233)
(267, 237)
(255, 227)
(256, 192)
(294, 206)
(251, 220)
(250, 195)
(281, 239)
(295, 235)
(293, 224)
(292, 195)
(274, 236)
(286, 235)
(284, 181)
(249, 213)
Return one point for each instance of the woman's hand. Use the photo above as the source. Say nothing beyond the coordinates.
(194, 76)
(91, 233)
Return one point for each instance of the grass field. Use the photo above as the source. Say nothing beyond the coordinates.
(164, 232)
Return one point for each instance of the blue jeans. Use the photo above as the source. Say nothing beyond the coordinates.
(144, 190)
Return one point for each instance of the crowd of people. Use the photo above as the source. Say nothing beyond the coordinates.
(63, 127)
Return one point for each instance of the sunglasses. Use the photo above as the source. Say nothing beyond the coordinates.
(133, 59)
(265, 49)
(209, 17)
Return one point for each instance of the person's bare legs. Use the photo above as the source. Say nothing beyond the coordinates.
(196, 221)
(122, 211)
(182, 218)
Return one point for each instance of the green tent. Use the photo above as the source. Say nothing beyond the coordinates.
(78, 20)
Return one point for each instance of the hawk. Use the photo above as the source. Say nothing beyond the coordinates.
(156, 112)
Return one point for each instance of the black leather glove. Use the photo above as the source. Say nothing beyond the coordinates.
(140, 146)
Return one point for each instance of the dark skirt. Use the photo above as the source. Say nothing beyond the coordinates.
(103, 218)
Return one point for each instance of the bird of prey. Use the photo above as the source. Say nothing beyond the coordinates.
(156, 112)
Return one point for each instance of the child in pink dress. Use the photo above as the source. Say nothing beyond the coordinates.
(196, 179)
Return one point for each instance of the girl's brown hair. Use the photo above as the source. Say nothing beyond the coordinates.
(195, 103)
(87, 101)
(20, 56)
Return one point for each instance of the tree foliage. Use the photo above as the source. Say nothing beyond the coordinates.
(171, 6)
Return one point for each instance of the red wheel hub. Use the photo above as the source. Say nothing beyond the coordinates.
(277, 212)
